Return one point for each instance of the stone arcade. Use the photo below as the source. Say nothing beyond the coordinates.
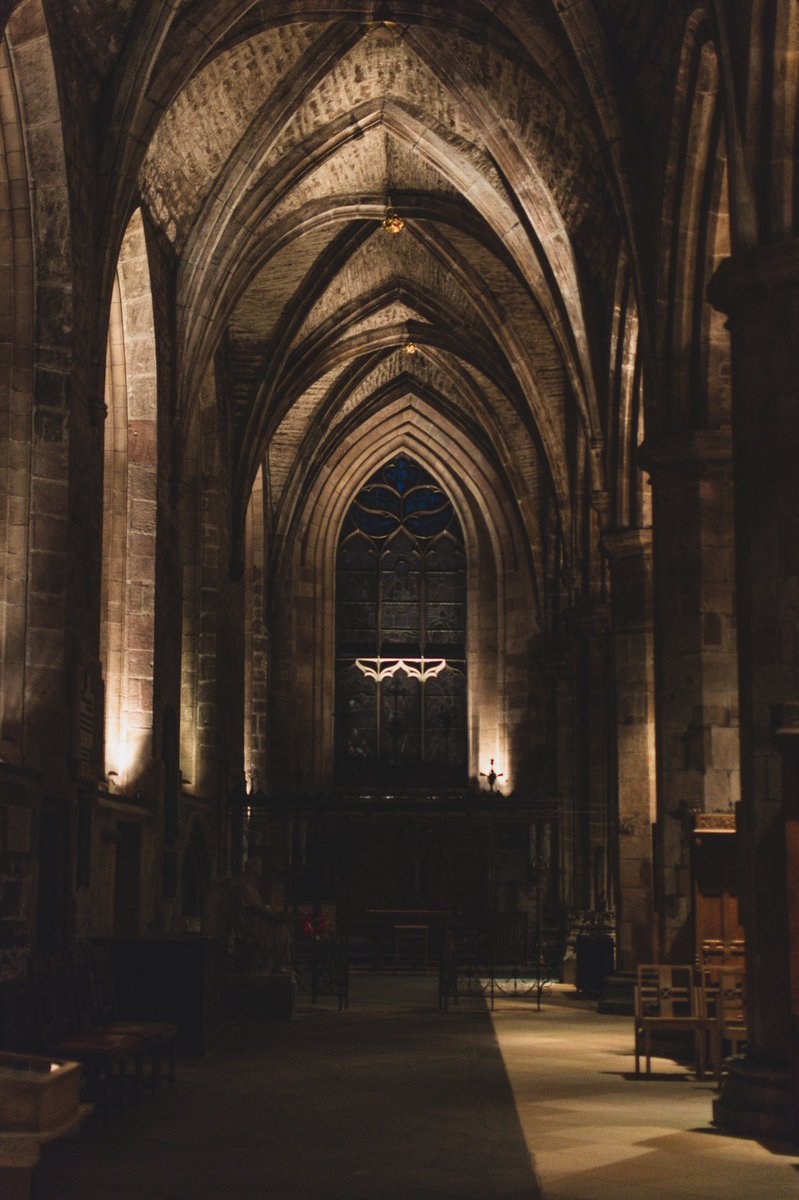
(399, 423)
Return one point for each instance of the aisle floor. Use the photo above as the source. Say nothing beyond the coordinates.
(596, 1132)
(393, 1100)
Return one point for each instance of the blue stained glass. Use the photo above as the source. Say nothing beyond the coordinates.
(376, 497)
(427, 525)
(378, 524)
(401, 590)
(402, 474)
(425, 499)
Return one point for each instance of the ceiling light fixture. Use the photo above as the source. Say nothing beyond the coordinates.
(393, 223)
(411, 348)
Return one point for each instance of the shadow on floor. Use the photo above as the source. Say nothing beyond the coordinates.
(388, 1100)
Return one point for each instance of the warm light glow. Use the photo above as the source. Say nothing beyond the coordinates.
(393, 223)
(428, 667)
(494, 776)
(126, 756)
(411, 348)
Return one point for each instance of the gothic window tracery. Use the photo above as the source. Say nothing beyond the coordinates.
(401, 633)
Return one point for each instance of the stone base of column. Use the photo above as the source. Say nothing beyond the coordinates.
(756, 1101)
(618, 994)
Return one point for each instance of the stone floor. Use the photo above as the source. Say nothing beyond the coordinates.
(597, 1133)
(392, 1100)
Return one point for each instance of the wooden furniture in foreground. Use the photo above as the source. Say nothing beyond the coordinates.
(715, 952)
(667, 1001)
(159, 1038)
(723, 998)
(715, 875)
(111, 1060)
(175, 979)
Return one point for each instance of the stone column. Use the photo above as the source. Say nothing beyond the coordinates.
(786, 731)
(560, 671)
(760, 293)
(591, 624)
(695, 659)
(630, 555)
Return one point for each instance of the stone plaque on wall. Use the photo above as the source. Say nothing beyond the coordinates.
(87, 710)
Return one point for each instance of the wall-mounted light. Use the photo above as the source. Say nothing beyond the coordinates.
(492, 775)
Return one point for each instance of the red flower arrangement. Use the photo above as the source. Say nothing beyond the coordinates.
(315, 925)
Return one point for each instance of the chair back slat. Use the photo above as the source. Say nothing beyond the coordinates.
(666, 991)
(717, 952)
(724, 995)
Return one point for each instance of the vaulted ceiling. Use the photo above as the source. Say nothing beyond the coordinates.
(267, 141)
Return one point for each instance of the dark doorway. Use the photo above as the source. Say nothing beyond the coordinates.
(194, 876)
(53, 869)
(127, 884)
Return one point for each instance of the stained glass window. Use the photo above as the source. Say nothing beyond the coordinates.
(401, 633)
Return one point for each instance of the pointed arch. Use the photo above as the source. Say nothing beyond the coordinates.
(693, 344)
(256, 638)
(499, 588)
(36, 333)
(401, 668)
(16, 349)
(129, 514)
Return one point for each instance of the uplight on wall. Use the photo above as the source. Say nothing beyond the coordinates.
(492, 776)
(126, 754)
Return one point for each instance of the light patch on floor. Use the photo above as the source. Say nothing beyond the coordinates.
(595, 1132)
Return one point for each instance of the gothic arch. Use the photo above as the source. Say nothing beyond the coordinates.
(16, 344)
(630, 500)
(304, 572)
(694, 344)
(129, 532)
(38, 329)
(256, 638)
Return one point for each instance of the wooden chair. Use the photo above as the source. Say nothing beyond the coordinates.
(723, 996)
(717, 952)
(712, 953)
(159, 1038)
(667, 1000)
(106, 1056)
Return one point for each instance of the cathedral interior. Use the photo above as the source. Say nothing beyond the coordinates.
(399, 404)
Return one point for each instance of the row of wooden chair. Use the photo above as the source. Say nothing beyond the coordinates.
(76, 1019)
(716, 952)
(708, 1003)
